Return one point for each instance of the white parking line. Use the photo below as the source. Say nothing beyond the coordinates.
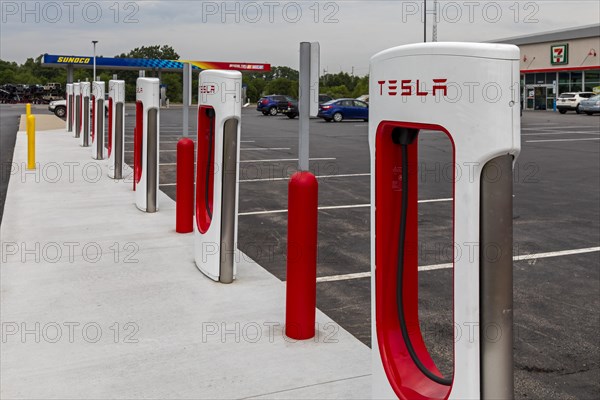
(344, 277)
(558, 127)
(131, 151)
(318, 177)
(162, 141)
(272, 160)
(288, 159)
(333, 207)
(561, 140)
(264, 148)
(561, 133)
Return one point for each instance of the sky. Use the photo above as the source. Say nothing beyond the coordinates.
(349, 32)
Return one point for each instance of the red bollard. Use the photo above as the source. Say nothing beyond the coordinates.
(134, 155)
(301, 282)
(138, 134)
(184, 206)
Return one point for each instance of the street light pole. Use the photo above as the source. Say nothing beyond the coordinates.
(94, 42)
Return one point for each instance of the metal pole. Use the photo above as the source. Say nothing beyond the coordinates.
(435, 21)
(496, 279)
(187, 81)
(304, 106)
(70, 73)
(94, 42)
(424, 21)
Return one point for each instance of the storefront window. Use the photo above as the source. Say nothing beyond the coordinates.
(576, 81)
(540, 78)
(550, 77)
(563, 88)
(529, 78)
(564, 77)
(592, 80)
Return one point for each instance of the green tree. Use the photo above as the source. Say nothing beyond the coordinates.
(362, 87)
(282, 86)
(164, 52)
(336, 92)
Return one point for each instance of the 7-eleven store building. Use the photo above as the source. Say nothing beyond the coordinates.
(556, 62)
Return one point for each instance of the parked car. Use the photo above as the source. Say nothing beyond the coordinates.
(364, 97)
(58, 107)
(324, 98)
(340, 109)
(272, 104)
(292, 110)
(591, 105)
(570, 101)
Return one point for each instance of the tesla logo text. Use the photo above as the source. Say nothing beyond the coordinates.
(409, 87)
(207, 89)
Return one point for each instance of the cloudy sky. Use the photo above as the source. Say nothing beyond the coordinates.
(350, 32)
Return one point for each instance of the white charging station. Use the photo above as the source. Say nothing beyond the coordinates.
(148, 125)
(217, 171)
(116, 128)
(98, 118)
(77, 110)
(86, 117)
(69, 107)
(470, 92)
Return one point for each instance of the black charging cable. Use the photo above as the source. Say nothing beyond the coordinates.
(210, 113)
(404, 137)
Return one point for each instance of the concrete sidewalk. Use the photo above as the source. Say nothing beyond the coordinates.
(100, 300)
(43, 122)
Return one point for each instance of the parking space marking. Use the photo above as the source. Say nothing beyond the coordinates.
(318, 177)
(162, 141)
(332, 207)
(177, 141)
(161, 150)
(288, 159)
(271, 160)
(525, 257)
(561, 133)
(264, 148)
(561, 140)
(557, 127)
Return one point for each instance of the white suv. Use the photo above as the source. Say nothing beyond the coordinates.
(570, 101)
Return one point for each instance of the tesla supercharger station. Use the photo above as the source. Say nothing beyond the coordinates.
(98, 118)
(77, 110)
(147, 142)
(116, 128)
(85, 112)
(69, 107)
(470, 92)
(217, 171)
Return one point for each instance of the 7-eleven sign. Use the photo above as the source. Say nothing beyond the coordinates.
(559, 54)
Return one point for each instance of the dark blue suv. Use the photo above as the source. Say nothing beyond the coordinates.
(272, 104)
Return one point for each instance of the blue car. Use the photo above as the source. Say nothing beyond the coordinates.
(591, 105)
(340, 109)
(273, 104)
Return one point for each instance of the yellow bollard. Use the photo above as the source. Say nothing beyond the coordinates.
(31, 142)
(27, 114)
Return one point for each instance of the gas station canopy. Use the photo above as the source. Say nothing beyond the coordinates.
(52, 60)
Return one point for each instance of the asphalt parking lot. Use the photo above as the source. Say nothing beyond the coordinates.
(556, 209)
(556, 233)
